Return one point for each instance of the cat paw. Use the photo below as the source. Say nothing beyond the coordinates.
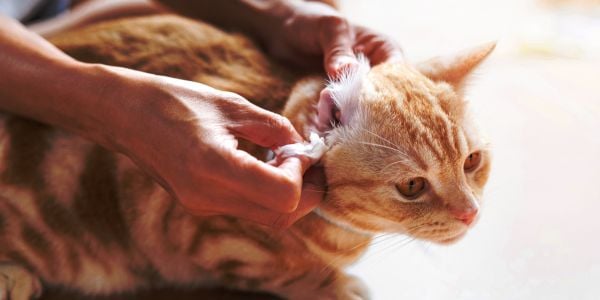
(352, 288)
(16, 283)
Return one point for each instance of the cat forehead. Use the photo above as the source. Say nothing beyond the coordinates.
(402, 87)
(396, 103)
(418, 116)
(363, 86)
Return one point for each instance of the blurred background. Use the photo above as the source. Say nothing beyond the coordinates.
(538, 100)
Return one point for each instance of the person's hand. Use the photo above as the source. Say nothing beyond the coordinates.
(305, 33)
(182, 133)
(185, 134)
(310, 29)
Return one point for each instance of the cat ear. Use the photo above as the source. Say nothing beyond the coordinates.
(339, 101)
(455, 69)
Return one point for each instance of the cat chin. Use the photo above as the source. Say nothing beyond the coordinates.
(451, 240)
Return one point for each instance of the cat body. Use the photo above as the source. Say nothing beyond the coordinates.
(76, 215)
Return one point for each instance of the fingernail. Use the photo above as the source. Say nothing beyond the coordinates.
(343, 64)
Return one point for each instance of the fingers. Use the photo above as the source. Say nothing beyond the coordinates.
(337, 39)
(268, 130)
(259, 126)
(313, 192)
(340, 40)
(377, 47)
(276, 188)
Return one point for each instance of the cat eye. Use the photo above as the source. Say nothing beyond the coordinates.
(472, 161)
(412, 188)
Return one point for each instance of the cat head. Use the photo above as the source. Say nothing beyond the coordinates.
(404, 155)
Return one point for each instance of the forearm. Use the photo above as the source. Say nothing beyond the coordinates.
(253, 17)
(94, 12)
(40, 82)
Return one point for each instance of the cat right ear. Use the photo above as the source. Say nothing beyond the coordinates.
(456, 68)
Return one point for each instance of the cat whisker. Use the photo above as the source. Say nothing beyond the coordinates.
(380, 239)
(387, 237)
(384, 147)
(399, 244)
(382, 138)
(405, 161)
(394, 245)
(375, 240)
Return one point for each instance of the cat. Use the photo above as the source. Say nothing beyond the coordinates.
(404, 157)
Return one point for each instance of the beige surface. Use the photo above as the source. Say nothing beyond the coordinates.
(538, 99)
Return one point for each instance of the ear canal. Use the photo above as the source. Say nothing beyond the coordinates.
(456, 68)
(325, 106)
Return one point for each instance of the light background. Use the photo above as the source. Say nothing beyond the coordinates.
(538, 100)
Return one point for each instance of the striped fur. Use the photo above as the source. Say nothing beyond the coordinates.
(76, 215)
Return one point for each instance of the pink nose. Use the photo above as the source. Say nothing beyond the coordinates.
(466, 216)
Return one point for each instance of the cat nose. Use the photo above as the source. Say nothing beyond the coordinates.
(466, 216)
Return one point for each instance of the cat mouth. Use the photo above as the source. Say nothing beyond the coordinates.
(452, 239)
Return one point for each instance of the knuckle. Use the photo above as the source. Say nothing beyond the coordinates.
(280, 122)
(282, 221)
(338, 51)
(379, 41)
(333, 20)
(285, 194)
(233, 98)
(289, 195)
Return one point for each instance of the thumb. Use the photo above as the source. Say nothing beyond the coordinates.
(337, 40)
(264, 128)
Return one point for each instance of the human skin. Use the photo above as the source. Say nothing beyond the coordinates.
(295, 31)
(190, 148)
(93, 11)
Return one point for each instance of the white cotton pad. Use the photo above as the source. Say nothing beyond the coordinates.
(314, 149)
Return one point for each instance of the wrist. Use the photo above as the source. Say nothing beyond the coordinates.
(111, 104)
(137, 113)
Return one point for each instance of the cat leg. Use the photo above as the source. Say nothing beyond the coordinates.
(16, 283)
(351, 288)
(333, 286)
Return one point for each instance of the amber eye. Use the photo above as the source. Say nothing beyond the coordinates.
(412, 188)
(472, 161)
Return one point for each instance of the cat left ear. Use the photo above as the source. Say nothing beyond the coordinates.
(456, 68)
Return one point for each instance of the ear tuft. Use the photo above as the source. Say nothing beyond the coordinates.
(455, 69)
(345, 90)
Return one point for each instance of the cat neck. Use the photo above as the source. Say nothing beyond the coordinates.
(319, 212)
(336, 243)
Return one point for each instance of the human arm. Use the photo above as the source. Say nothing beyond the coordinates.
(93, 11)
(190, 147)
(299, 32)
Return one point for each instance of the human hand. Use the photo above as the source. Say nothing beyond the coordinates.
(191, 150)
(182, 133)
(306, 30)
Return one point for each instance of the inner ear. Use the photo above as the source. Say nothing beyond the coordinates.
(329, 114)
(455, 69)
(339, 101)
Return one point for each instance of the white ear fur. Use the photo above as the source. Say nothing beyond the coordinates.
(345, 90)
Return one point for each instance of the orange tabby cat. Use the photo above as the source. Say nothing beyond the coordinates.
(403, 157)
